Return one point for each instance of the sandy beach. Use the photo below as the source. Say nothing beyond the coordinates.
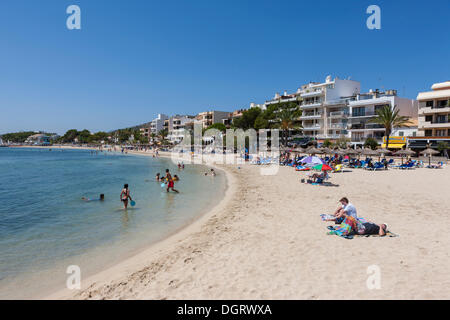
(265, 240)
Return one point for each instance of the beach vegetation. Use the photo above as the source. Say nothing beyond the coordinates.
(17, 137)
(219, 126)
(327, 143)
(371, 143)
(443, 146)
(389, 118)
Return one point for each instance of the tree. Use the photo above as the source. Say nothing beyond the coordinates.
(247, 120)
(261, 122)
(389, 118)
(327, 143)
(443, 147)
(84, 136)
(371, 143)
(219, 126)
(162, 134)
(287, 121)
(17, 137)
(342, 143)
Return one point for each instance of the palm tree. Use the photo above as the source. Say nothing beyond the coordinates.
(288, 120)
(162, 134)
(153, 136)
(389, 118)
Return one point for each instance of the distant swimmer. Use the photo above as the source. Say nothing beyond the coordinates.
(175, 178)
(213, 173)
(102, 198)
(170, 184)
(125, 195)
(158, 177)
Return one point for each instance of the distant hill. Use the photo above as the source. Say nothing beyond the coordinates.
(137, 127)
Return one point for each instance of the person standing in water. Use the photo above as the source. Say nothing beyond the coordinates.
(125, 195)
(170, 184)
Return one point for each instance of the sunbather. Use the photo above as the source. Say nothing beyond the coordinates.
(346, 208)
(372, 228)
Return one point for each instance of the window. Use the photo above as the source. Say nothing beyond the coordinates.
(359, 112)
(441, 133)
(428, 118)
(429, 103)
(441, 119)
(414, 133)
(442, 103)
(401, 133)
(428, 133)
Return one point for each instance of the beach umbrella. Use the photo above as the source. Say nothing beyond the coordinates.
(322, 167)
(325, 150)
(369, 152)
(312, 160)
(313, 150)
(404, 152)
(382, 152)
(299, 150)
(429, 152)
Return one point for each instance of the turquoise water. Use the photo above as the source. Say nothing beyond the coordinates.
(45, 226)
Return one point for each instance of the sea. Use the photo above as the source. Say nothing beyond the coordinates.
(46, 227)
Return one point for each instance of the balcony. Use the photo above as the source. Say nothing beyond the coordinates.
(363, 114)
(338, 114)
(337, 126)
(311, 105)
(312, 93)
(312, 127)
(434, 124)
(311, 115)
(433, 110)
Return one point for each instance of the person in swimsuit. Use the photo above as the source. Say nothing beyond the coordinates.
(125, 195)
(170, 184)
(158, 178)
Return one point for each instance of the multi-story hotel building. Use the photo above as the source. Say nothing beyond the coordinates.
(177, 127)
(324, 106)
(434, 117)
(231, 116)
(364, 107)
(158, 123)
(208, 118)
(434, 111)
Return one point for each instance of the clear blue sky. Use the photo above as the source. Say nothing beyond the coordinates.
(134, 59)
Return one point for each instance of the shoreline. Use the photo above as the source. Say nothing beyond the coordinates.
(265, 240)
(132, 262)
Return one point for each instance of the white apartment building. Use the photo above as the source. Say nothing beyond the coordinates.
(208, 118)
(178, 125)
(434, 111)
(157, 124)
(364, 107)
(324, 105)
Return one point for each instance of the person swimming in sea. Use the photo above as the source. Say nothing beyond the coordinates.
(176, 178)
(213, 173)
(158, 177)
(125, 195)
(170, 184)
(102, 198)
